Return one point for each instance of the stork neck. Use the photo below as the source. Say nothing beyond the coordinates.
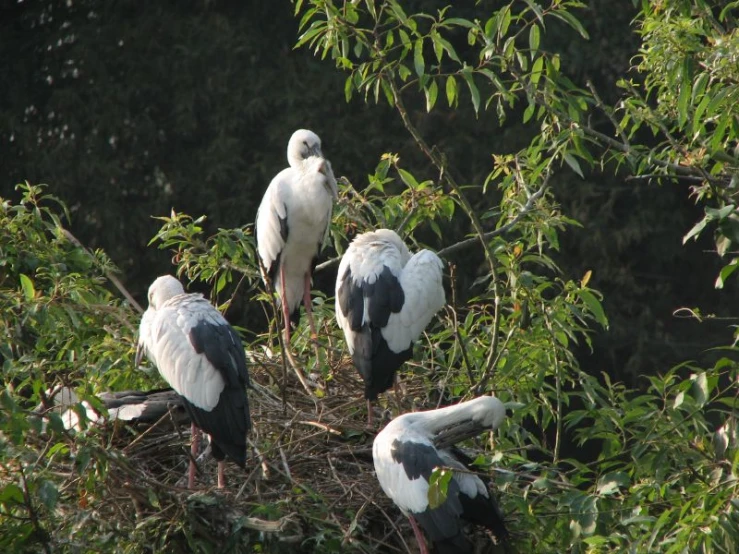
(435, 420)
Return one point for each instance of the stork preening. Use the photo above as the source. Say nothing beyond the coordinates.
(292, 224)
(385, 298)
(411, 446)
(200, 355)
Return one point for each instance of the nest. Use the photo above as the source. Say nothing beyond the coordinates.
(309, 483)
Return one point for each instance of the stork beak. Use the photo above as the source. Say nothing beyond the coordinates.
(139, 355)
(316, 151)
(452, 435)
(330, 182)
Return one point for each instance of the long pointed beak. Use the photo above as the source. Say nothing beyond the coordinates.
(330, 184)
(316, 151)
(139, 355)
(452, 435)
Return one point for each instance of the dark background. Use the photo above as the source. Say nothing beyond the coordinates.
(128, 109)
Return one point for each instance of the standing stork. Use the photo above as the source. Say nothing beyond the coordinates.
(411, 446)
(385, 298)
(200, 355)
(292, 224)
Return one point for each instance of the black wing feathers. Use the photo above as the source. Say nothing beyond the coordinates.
(229, 421)
(374, 360)
(445, 524)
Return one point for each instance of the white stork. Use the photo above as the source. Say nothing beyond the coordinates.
(385, 298)
(292, 224)
(200, 355)
(405, 454)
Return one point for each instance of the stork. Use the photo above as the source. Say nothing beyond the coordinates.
(411, 446)
(129, 405)
(200, 355)
(385, 298)
(292, 224)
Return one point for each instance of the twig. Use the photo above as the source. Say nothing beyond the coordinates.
(454, 248)
(112, 278)
(41, 533)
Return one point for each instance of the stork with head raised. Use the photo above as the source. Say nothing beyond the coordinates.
(411, 446)
(385, 298)
(292, 224)
(202, 358)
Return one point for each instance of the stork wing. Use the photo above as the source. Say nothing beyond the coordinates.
(196, 350)
(368, 288)
(271, 224)
(424, 296)
(408, 485)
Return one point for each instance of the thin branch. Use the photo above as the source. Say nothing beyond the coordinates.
(112, 278)
(454, 248)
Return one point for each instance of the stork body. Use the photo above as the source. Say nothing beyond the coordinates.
(292, 224)
(200, 355)
(405, 454)
(385, 298)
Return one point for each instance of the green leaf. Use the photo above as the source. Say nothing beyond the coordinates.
(611, 482)
(474, 93)
(536, 70)
(438, 487)
(725, 272)
(594, 306)
(431, 93)
(48, 494)
(697, 228)
(11, 493)
(534, 36)
(451, 90)
(408, 179)
(700, 388)
(682, 104)
(573, 163)
(27, 285)
(418, 62)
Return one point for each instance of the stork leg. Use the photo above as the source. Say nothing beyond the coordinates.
(285, 309)
(194, 447)
(422, 549)
(309, 313)
(396, 391)
(221, 474)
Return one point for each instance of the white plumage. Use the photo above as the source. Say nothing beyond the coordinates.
(385, 298)
(293, 221)
(200, 355)
(405, 454)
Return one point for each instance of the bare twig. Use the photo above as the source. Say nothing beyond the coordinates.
(112, 278)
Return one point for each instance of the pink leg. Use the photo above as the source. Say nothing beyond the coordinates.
(221, 476)
(308, 306)
(285, 309)
(194, 447)
(419, 537)
(369, 414)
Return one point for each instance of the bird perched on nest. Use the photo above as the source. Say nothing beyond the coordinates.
(411, 446)
(200, 355)
(385, 298)
(292, 224)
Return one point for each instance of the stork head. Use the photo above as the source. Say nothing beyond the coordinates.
(303, 144)
(392, 237)
(162, 289)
